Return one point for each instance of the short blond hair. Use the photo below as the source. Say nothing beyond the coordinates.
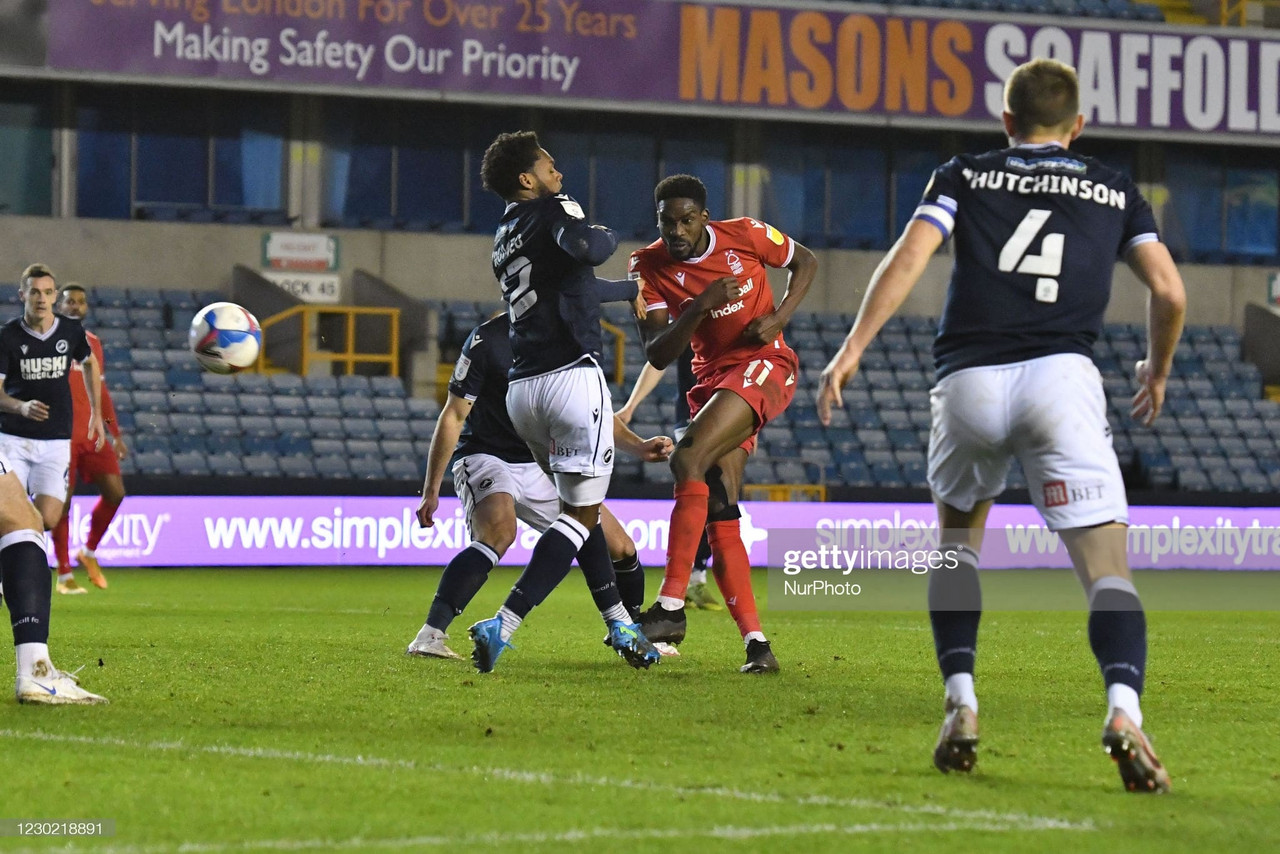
(1042, 95)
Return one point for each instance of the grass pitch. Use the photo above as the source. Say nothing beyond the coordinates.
(275, 710)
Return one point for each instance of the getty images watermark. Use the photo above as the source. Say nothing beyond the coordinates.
(883, 568)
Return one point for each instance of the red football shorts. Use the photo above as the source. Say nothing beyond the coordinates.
(88, 462)
(766, 384)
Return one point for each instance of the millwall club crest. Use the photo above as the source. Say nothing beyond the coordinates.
(62, 346)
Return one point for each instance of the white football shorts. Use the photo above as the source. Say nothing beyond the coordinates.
(1051, 414)
(566, 419)
(477, 476)
(40, 464)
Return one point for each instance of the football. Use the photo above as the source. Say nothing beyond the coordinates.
(225, 338)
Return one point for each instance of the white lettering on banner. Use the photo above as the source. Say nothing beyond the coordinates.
(1201, 82)
(519, 66)
(130, 535)
(402, 54)
(322, 53)
(209, 45)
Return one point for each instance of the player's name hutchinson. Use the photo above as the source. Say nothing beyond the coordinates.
(34, 827)
(1034, 185)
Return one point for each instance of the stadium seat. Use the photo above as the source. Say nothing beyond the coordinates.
(256, 404)
(403, 469)
(321, 385)
(292, 446)
(390, 407)
(393, 449)
(368, 468)
(149, 380)
(190, 464)
(252, 383)
(223, 444)
(261, 465)
(186, 401)
(147, 360)
(395, 428)
(183, 379)
(285, 404)
(355, 406)
(216, 403)
(423, 407)
(110, 317)
(362, 448)
(147, 336)
(327, 428)
(323, 406)
(359, 428)
(292, 425)
(226, 464)
(154, 463)
(146, 443)
(350, 384)
(328, 447)
(297, 467)
(256, 445)
(258, 426)
(333, 467)
(288, 384)
(150, 401)
(187, 423)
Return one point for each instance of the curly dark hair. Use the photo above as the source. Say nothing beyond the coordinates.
(506, 158)
(681, 187)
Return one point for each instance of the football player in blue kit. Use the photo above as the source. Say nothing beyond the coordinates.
(498, 481)
(544, 253)
(1036, 231)
(36, 350)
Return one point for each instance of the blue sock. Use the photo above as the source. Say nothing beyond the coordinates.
(460, 582)
(1118, 632)
(955, 609)
(550, 562)
(630, 577)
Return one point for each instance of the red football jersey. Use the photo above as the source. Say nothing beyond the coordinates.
(80, 397)
(736, 247)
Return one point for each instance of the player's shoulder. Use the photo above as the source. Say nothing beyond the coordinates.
(743, 231)
(649, 255)
(495, 327)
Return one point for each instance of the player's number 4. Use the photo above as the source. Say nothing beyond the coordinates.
(1046, 266)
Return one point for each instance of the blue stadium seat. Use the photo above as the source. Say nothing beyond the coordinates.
(121, 398)
(186, 401)
(252, 383)
(261, 465)
(354, 384)
(255, 445)
(147, 336)
(154, 463)
(321, 385)
(333, 467)
(368, 468)
(178, 300)
(390, 407)
(359, 428)
(423, 407)
(187, 423)
(147, 360)
(258, 425)
(404, 469)
(256, 404)
(118, 338)
(396, 428)
(292, 425)
(111, 318)
(226, 464)
(356, 406)
(146, 443)
(151, 318)
(290, 384)
(284, 404)
(292, 446)
(221, 424)
(184, 379)
(757, 471)
(150, 401)
(223, 444)
(222, 383)
(149, 380)
(362, 448)
(190, 463)
(397, 449)
(297, 467)
(323, 406)
(329, 447)
(326, 428)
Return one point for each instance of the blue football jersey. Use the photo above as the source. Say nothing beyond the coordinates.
(1037, 231)
(543, 255)
(480, 376)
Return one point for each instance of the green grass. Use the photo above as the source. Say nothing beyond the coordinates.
(275, 710)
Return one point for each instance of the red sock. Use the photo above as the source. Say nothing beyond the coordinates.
(688, 518)
(60, 549)
(732, 568)
(103, 513)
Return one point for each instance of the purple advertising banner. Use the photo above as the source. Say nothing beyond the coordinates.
(334, 531)
(833, 61)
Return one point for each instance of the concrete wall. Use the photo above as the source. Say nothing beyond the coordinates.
(156, 255)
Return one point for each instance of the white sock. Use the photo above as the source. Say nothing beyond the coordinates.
(698, 576)
(1124, 698)
(429, 632)
(64, 577)
(28, 654)
(960, 691)
(750, 636)
(510, 622)
(616, 614)
(670, 603)
(87, 552)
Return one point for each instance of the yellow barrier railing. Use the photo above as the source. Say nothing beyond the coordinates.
(619, 350)
(349, 357)
(1232, 12)
(784, 492)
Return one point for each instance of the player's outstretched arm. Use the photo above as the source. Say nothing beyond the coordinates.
(802, 269)
(655, 450)
(443, 441)
(890, 285)
(1166, 311)
(645, 383)
(586, 244)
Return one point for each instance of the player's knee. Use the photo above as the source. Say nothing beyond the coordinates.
(497, 535)
(688, 463)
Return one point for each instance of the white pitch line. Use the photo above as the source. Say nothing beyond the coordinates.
(1022, 820)
(569, 836)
